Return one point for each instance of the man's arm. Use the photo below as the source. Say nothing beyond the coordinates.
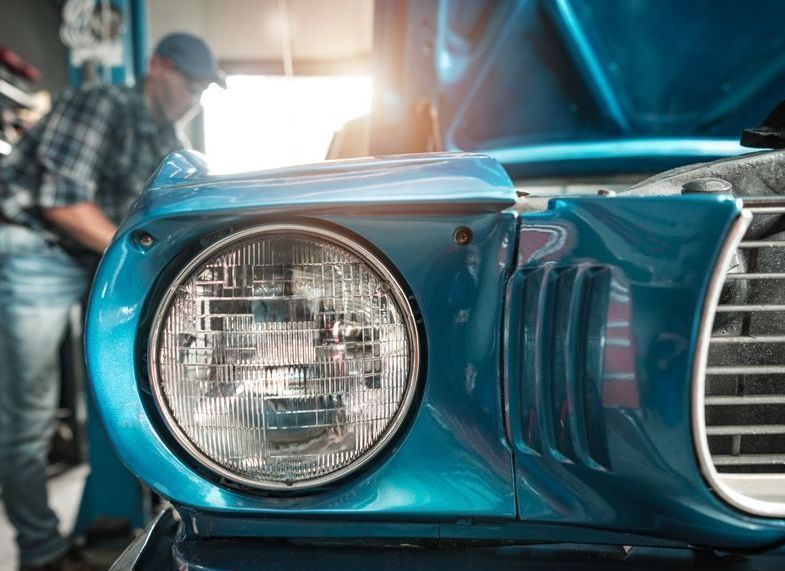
(74, 140)
(84, 223)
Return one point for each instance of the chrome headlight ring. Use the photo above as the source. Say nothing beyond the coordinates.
(284, 357)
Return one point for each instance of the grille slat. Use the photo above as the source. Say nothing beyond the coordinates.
(750, 460)
(761, 276)
(744, 395)
(766, 209)
(746, 370)
(739, 308)
(761, 244)
(720, 339)
(746, 429)
(744, 400)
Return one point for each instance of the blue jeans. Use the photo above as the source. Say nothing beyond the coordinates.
(39, 283)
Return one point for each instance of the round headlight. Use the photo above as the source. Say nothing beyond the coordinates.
(284, 357)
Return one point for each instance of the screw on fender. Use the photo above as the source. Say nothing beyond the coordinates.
(144, 240)
(463, 235)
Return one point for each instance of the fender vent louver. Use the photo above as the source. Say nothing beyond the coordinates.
(562, 361)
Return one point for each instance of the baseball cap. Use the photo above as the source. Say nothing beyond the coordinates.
(191, 56)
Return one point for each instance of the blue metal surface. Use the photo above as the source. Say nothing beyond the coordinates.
(111, 491)
(595, 69)
(125, 74)
(601, 328)
(157, 547)
(234, 555)
(612, 156)
(623, 150)
(513, 75)
(140, 40)
(474, 182)
(457, 290)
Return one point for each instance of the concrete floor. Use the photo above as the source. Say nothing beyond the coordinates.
(65, 493)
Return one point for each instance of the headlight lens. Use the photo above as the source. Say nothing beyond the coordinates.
(284, 356)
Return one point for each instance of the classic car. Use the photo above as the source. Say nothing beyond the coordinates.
(452, 358)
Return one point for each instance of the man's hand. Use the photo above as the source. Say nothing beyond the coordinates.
(84, 223)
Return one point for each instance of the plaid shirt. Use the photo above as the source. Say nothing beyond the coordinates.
(98, 144)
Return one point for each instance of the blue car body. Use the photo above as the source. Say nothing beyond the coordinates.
(569, 87)
(559, 343)
(500, 318)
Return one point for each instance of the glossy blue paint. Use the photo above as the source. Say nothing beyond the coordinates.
(595, 69)
(611, 156)
(509, 75)
(594, 299)
(601, 329)
(111, 491)
(457, 423)
(451, 180)
(618, 150)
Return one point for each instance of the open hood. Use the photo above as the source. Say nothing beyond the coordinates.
(552, 87)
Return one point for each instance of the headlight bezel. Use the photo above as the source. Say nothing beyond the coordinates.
(341, 238)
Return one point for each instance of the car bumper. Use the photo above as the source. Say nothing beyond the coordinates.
(160, 547)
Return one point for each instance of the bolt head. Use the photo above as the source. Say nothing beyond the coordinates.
(463, 235)
(145, 240)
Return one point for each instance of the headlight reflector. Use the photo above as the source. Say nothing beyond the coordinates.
(284, 356)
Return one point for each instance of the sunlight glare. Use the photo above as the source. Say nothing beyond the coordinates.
(262, 122)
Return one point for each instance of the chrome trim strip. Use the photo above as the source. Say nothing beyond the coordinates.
(165, 522)
(700, 437)
(309, 232)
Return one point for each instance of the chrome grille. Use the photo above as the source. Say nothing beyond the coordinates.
(745, 370)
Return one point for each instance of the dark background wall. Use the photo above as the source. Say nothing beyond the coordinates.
(31, 28)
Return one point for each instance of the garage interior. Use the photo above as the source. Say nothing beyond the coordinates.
(292, 81)
(522, 84)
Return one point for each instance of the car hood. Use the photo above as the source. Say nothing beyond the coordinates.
(566, 87)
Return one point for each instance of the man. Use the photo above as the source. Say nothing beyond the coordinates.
(63, 191)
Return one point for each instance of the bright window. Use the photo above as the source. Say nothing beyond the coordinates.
(262, 122)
